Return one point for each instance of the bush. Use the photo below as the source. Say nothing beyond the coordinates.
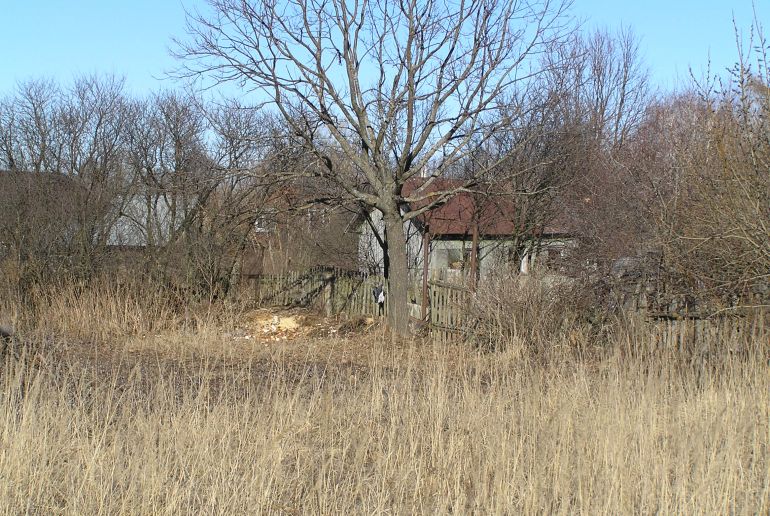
(536, 312)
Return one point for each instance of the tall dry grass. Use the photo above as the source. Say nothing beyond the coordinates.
(488, 435)
(104, 309)
(413, 428)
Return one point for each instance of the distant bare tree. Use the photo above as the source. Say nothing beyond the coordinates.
(604, 100)
(169, 166)
(244, 194)
(91, 175)
(92, 123)
(380, 92)
(714, 214)
(71, 141)
(29, 119)
(199, 187)
(9, 137)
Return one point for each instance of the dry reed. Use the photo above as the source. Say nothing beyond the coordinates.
(416, 428)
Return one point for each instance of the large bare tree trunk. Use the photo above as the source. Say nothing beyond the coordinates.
(398, 275)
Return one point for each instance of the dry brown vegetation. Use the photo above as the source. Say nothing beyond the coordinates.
(124, 408)
(138, 381)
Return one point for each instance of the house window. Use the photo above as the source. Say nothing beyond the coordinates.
(455, 259)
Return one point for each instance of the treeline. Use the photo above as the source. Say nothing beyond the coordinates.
(91, 174)
(175, 189)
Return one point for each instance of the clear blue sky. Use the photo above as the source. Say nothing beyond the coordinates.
(678, 34)
(62, 38)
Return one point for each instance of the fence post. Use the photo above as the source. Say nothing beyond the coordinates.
(328, 282)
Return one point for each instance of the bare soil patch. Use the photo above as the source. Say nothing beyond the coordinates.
(292, 346)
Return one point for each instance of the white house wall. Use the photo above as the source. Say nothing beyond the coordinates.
(493, 254)
(369, 250)
(146, 219)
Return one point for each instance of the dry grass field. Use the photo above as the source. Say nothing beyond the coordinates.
(112, 406)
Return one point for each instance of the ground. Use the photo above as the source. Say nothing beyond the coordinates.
(299, 341)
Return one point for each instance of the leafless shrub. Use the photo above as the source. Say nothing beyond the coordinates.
(700, 162)
(535, 313)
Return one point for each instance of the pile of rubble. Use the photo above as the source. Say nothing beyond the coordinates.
(270, 326)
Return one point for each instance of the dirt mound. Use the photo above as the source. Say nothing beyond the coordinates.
(291, 324)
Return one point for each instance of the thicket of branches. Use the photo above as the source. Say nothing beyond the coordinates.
(167, 187)
(700, 164)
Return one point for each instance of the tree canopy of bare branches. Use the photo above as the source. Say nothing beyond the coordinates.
(379, 91)
(90, 175)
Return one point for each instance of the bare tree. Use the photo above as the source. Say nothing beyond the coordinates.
(198, 188)
(713, 213)
(28, 120)
(71, 141)
(397, 89)
(604, 100)
(243, 195)
(92, 175)
(9, 137)
(91, 126)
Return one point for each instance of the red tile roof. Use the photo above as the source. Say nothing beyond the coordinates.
(495, 215)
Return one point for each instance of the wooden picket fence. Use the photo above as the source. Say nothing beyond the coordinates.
(449, 305)
(352, 294)
(335, 290)
(731, 333)
(290, 289)
(339, 291)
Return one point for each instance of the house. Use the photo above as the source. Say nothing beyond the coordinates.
(471, 231)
